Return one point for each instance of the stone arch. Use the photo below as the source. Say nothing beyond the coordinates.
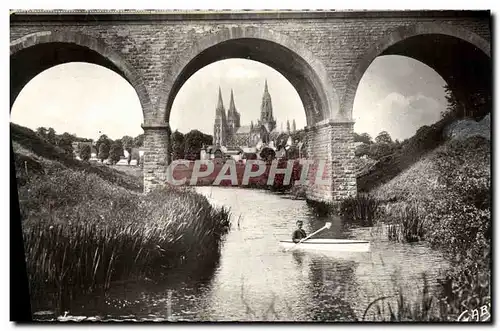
(294, 61)
(399, 36)
(51, 48)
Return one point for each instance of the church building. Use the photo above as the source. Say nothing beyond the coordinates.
(228, 130)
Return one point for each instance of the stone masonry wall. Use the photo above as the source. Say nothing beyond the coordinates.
(156, 141)
(334, 143)
(152, 47)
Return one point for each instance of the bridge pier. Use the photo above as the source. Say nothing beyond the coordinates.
(333, 143)
(156, 155)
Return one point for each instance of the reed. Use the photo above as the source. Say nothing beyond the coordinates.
(360, 210)
(406, 223)
(468, 300)
(82, 233)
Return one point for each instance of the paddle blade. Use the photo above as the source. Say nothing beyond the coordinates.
(328, 225)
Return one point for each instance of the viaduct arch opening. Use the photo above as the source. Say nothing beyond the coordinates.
(35, 53)
(305, 72)
(460, 57)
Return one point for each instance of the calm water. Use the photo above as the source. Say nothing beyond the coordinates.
(256, 280)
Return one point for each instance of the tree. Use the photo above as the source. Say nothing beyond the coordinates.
(42, 132)
(51, 136)
(178, 145)
(379, 150)
(383, 138)
(193, 142)
(294, 126)
(139, 140)
(363, 149)
(103, 140)
(119, 143)
(85, 151)
(267, 154)
(128, 143)
(103, 152)
(363, 138)
(115, 152)
(288, 126)
(65, 141)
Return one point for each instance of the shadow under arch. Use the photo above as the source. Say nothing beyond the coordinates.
(295, 62)
(446, 48)
(34, 53)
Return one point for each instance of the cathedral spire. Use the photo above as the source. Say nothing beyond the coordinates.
(266, 110)
(220, 111)
(232, 107)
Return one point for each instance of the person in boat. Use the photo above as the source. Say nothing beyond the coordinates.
(299, 233)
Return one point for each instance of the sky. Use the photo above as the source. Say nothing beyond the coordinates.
(396, 94)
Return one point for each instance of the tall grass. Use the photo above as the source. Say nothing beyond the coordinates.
(82, 233)
(400, 308)
(360, 210)
(467, 300)
(407, 224)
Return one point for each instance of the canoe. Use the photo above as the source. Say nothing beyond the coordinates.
(342, 245)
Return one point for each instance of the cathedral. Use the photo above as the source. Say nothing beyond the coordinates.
(228, 130)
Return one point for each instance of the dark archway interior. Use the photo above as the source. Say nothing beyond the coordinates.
(29, 62)
(465, 68)
(294, 68)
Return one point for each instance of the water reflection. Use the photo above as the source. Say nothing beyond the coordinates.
(255, 280)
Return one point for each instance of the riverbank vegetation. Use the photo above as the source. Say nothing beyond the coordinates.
(442, 197)
(86, 227)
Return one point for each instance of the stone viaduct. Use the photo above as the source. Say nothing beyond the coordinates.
(323, 54)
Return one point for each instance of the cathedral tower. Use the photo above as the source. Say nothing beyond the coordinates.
(266, 111)
(220, 124)
(233, 117)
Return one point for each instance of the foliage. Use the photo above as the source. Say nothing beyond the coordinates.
(103, 152)
(82, 233)
(51, 136)
(267, 154)
(359, 210)
(115, 152)
(178, 146)
(65, 141)
(453, 215)
(139, 140)
(473, 105)
(103, 140)
(404, 155)
(128, 144)
(383, 137)
(85, 152)
(193, 142)
(406, 223)
(363, 138)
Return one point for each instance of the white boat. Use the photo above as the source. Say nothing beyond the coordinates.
(340, 245)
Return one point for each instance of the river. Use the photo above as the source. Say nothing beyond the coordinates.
(255, 280)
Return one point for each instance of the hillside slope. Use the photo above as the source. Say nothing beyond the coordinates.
(427, 177)
(425, 140)
(34, 155)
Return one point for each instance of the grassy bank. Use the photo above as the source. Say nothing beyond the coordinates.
(444, 200)
(84, 230)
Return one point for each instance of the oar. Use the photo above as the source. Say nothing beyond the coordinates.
(327, 226)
